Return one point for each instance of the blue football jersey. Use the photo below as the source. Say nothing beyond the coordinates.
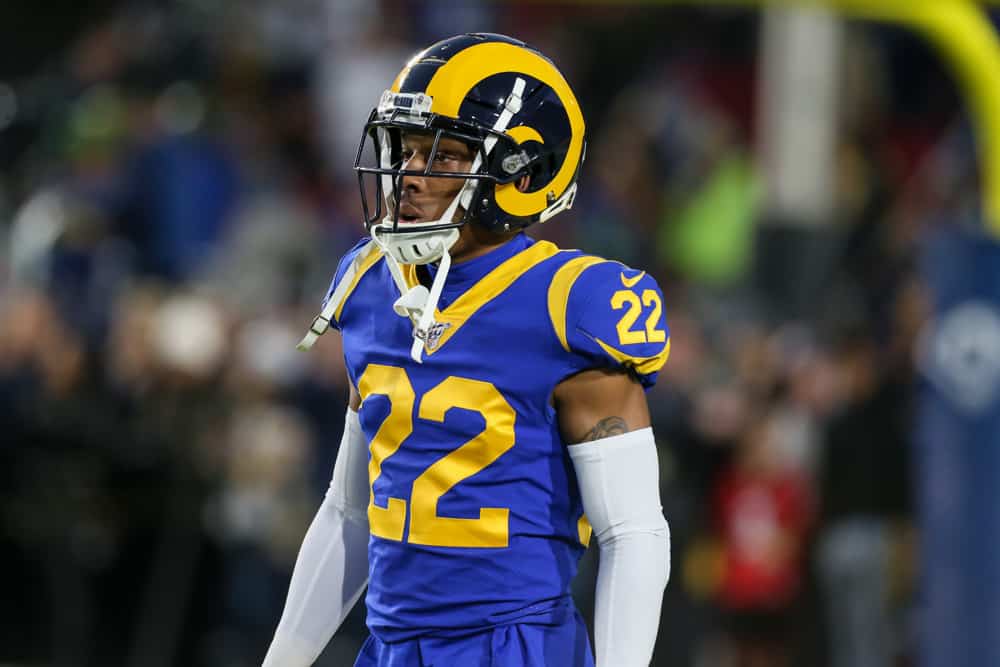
(475, 515)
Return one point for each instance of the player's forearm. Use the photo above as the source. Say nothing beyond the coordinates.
(329, 576)
(633, 573)
(332, 567)
(619, 485)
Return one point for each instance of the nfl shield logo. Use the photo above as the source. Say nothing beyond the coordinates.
(433, 336)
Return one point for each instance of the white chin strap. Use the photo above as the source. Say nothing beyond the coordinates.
(419, 304)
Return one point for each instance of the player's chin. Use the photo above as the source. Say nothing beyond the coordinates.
(416, 217)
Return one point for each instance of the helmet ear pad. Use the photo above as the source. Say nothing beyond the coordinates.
(535, 166)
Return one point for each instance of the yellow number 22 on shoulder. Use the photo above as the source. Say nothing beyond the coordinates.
(629, 299)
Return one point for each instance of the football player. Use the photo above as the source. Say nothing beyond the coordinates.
(497, 413)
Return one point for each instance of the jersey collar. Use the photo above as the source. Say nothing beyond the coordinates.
(464, 275)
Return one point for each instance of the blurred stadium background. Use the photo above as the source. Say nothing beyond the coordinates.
(175, 189)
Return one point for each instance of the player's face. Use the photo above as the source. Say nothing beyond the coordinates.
(426, 199)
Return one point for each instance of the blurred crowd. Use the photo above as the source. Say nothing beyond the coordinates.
(176, 193)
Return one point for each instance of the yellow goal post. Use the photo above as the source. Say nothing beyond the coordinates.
(962, 33)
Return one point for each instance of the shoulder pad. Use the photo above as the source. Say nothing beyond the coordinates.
(356, 261)
(610, 315)
(352, 266)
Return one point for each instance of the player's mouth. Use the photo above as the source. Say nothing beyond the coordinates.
(409, 213)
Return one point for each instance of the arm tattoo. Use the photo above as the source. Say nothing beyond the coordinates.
(605, 428)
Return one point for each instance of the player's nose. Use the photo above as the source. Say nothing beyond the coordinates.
(414, 163)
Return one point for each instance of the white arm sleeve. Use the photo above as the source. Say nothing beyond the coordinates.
(619, 484)
(332, 567)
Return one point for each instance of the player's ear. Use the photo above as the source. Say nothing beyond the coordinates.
(523, 183)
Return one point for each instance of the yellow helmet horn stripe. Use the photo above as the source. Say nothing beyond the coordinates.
(453, 81)
(523, 133)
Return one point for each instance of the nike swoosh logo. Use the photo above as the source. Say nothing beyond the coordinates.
(631, 282)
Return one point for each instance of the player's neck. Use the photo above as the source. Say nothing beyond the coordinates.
(474, 263)
(476, 241)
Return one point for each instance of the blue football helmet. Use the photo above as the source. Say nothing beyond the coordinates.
(505, 100)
